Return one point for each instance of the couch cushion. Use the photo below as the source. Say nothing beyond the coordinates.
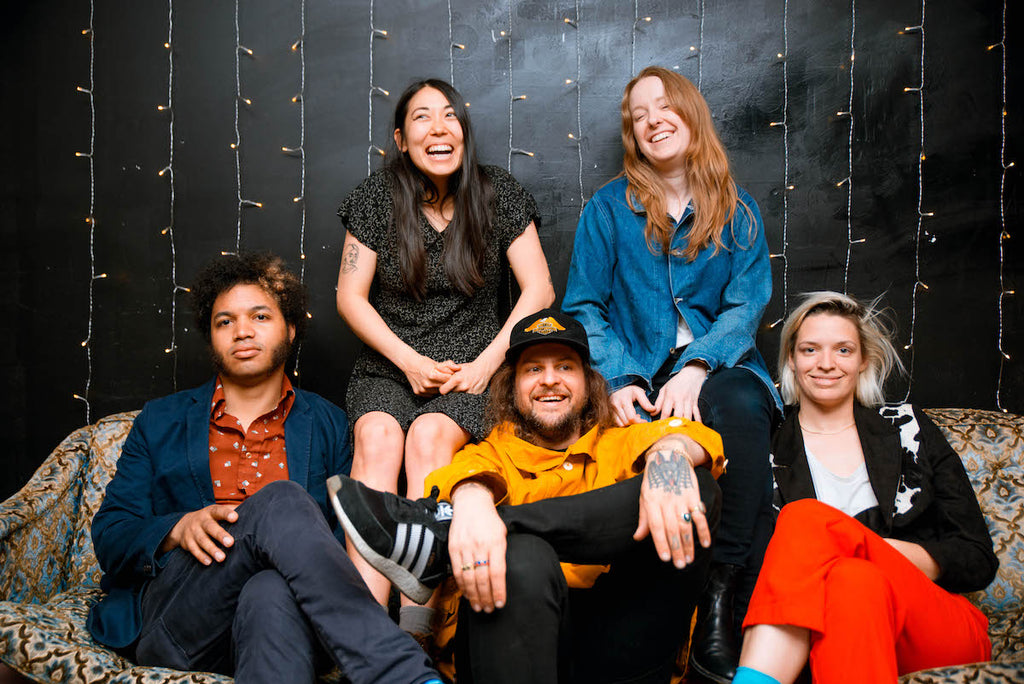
(991, 445)
(49, 642)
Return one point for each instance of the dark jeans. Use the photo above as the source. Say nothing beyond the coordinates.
(627, 628)
(285, 595)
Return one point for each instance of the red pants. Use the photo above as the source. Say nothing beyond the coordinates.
(872, 614)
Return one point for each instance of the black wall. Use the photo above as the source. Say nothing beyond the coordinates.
(50, 253)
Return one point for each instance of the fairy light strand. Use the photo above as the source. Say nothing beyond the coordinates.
(299, 46)
(91, 219)
(637, 22)
(168, 171)
(1003, 234)
(921, 215)
(238, 135)
(787, 186)
(237, 145)
(578, 138)
(700, 47)
(452, 46)
(511, 98)
(372, 149)
(848, 181)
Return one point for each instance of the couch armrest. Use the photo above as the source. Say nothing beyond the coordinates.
(36, 523)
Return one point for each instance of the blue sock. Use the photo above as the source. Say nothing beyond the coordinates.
(746, 675)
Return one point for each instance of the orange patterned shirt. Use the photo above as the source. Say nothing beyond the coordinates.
(241, 463)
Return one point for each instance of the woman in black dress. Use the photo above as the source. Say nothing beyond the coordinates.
(418, 284)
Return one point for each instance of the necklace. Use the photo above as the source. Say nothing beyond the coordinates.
(823, 432)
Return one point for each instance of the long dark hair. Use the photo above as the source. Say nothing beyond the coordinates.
(465, 237)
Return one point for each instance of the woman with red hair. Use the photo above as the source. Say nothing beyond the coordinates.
(670, 277)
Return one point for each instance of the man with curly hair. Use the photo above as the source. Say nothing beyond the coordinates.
(213, 535)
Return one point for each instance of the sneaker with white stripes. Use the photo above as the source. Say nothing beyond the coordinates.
(404, 540)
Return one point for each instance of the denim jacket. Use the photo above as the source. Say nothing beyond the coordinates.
(630, 299)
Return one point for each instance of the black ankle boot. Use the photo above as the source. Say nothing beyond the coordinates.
(714, 654)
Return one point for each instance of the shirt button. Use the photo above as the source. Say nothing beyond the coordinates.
(567, 465)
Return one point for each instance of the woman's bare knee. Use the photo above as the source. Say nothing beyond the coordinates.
(378, 449)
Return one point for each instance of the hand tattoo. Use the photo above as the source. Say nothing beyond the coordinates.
(350, 258)
(669, 470)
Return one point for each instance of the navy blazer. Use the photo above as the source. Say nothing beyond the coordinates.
(164, 473)
(924, 495)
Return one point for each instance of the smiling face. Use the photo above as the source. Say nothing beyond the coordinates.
(432, 136)
(659, 131)
(827, 360)
(551, 393)
(250, 339)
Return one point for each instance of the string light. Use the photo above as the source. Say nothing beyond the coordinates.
(787, 186)
(237, 144)
(511, 98)
(921, 215)
(453, 46)
(637, 22)
(299, 47)
(372, 149)
(1003, 234)
(848, 181)
(168, 171)
(91, 218)
(579, 116)
(700, 48)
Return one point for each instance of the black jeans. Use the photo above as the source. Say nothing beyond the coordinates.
(735, 403)
(285, 598)
(627, 628)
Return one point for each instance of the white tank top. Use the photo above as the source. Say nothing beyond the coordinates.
(851, 494)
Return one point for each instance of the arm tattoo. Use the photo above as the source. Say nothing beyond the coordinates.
(669, 470)
(348, 261)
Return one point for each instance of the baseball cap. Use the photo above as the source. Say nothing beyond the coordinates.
(547, 325)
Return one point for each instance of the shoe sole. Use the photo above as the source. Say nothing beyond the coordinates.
(406, 582)
(708, 674)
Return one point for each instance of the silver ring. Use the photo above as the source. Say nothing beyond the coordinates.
(685, 515)
(701, 508)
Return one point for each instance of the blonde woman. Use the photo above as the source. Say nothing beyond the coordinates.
(879, 529)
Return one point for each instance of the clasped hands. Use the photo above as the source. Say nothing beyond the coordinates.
(427, 376)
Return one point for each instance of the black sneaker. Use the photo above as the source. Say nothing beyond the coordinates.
(404, 540)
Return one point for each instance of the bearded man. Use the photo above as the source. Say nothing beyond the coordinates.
(571, 566)
(213, 535)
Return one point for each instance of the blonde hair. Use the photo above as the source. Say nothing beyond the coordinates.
(711, 186)
(875, 340)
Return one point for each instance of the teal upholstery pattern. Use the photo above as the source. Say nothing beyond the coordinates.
(49, 576)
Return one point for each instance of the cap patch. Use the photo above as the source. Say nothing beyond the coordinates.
(545, 326)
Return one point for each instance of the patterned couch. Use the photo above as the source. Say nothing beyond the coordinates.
(49, 576)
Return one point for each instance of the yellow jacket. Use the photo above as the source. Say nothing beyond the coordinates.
(519, 472)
